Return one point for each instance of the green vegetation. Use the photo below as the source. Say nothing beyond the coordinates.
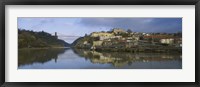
(31, 39)
(78, 43)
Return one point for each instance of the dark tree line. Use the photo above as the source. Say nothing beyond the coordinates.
(32, 39)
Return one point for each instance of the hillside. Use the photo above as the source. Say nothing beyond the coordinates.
(120, 40)
(32, 39)
(77, 41)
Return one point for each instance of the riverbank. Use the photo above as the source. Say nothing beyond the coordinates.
(43, 48)
(139, 49)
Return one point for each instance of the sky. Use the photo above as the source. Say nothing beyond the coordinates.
(69, 29)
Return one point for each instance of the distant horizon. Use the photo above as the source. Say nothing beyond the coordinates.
(73, 28)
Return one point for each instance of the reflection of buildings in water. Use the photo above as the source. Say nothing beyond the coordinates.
(118, 59)
(167, 56)
(100, 58)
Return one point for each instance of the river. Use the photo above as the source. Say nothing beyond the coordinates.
(67, 58)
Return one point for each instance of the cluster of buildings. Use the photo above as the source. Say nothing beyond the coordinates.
(118, 38)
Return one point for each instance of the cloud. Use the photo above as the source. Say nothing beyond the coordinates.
(136, 24)
(41, 22)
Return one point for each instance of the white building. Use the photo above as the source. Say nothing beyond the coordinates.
(167, 41)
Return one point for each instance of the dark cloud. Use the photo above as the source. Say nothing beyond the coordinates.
(168, 25)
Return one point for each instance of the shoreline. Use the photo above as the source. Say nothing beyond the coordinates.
(131, 50)
(42, 48)
(136, 50)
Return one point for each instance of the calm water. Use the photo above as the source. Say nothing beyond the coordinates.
(60, 58)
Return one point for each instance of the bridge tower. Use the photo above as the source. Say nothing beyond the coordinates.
(56, 35)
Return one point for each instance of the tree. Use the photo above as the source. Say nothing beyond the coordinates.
(86, 35)
(129, 31)
(25, 39)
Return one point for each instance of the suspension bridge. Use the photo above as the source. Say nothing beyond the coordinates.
(60, 35)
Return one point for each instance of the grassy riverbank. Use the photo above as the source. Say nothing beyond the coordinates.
(139, 49)
(44, 48)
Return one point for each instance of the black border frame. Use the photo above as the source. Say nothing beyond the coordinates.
(98, 2)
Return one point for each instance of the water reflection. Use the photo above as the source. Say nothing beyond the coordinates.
(30, 56)
(120, 59)
(87, 59)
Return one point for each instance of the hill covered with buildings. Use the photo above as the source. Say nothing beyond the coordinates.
(121, 40)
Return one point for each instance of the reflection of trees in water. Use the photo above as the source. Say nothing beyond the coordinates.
(119, 59)
(29, 56)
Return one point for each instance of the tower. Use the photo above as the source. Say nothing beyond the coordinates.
(56, 35)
